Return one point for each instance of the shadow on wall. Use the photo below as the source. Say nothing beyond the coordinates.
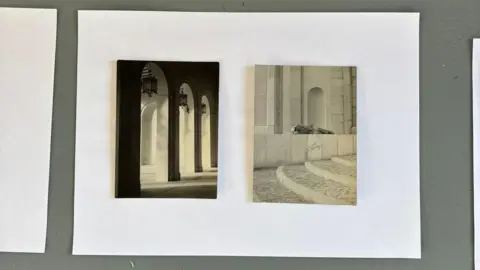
(271, 150)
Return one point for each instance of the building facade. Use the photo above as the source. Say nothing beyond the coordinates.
(324, 97)
(286, 96)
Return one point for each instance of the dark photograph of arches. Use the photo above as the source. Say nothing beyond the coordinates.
(167, 129)
(305, 142)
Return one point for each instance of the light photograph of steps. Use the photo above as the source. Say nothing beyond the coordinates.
(304, 135)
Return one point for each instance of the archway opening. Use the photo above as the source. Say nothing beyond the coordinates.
(206, 136)
(316, 108)
(154, 130)
(187, 131)
(148, 133)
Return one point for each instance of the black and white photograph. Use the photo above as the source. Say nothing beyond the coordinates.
(305, 142)
(167, 129)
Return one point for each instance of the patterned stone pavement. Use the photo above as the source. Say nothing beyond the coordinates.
(329, 188)
(267, 188)
(335, 167)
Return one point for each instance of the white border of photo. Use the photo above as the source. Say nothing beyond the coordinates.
(476, 145)
(27, 48)
(385, 49)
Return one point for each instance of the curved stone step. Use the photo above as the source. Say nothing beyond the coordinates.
(267, 188)
(314, 188)
(349, 161)
(333, 171)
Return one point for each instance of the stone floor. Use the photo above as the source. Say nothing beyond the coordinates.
(305, 186)
(204, 181)
(329, 188)
(335, 167)
(182, 192)
(351, 158)
(267, 188)
(195, 186)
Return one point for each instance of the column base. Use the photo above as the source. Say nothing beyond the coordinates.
(175, 177)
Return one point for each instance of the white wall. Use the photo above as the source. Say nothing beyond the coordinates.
(272, 150)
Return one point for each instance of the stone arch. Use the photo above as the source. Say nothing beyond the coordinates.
(316, 110)
(187, 132)
(154, 129)
(206, 137)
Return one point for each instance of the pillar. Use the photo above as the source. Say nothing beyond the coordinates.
(128, 129)
(187, 149)
(173, 129)
(270, 125)
(295, 96)
(286, 107)
(353, 75)
(206, 155)
(214, 137)
(260, 98)
(161, 156)
(198, 131)
(274, 100)
(145, 147)
(215, 79)
(347, 101)
(278, 129)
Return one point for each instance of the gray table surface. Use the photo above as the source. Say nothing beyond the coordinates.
(447, 28)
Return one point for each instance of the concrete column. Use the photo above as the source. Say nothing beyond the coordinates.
(129, 100)
(214, 137)
(214, 123)
(161, 157)
(303, 106)
(286, 89)
(206, 143)
(152, 140)
(278, 128)
(260, 98)
(189, 153)
(274, 100)
(296, 91)
(347, 100)
(354, 99)
(270, 126)
(145, 143)
(181, 139)
(198, 133)
(173, 129)
(206, 148)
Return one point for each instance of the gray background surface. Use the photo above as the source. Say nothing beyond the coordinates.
(447, 27)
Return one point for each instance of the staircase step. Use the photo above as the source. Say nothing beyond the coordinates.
(349, 161)
(334, 171)
(267, 188)
(315, 188)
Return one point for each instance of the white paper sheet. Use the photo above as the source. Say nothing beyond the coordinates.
(27, 59)
(476, 145)
(385, 49)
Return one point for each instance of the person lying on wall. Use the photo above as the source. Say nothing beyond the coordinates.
(309, 129)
